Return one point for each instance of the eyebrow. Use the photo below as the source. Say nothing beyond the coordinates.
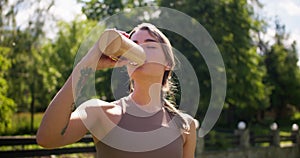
(147, 40)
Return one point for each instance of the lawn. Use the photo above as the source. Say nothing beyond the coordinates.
(21, 124)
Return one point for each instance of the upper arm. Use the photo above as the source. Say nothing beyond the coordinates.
(96, 117)
(190, 142)
(75, 130)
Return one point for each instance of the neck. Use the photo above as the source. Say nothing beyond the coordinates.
(147, 93)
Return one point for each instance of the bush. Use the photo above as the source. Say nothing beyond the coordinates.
(7, 105)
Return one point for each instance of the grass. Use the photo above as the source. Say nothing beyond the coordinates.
(21, 124)
(285, 143)
(75, 155)
(87, 155)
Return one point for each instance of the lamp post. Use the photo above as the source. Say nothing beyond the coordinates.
(295, 134)
(295, 127)
(200, 140)
(275, 137)
(241, 125)
(243, 134)
(274, 126)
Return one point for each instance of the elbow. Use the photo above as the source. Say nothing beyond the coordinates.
(43, 141)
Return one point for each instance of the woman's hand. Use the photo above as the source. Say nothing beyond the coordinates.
(96, 60)
(107, 62)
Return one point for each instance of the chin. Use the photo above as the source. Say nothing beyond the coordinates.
(147, 70)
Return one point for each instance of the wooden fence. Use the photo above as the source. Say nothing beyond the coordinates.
(16, 146)
(242, 139)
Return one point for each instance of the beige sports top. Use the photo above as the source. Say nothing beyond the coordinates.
(151, 136)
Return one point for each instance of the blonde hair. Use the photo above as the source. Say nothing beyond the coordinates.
(167, 84)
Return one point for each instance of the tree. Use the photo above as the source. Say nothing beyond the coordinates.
(230, 24)
(7, 105)
(95, 10)
(62, 52)
(283, 74)
(24, 76)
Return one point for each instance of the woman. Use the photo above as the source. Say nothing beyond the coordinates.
(143, 124)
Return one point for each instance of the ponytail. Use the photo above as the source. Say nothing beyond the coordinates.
(169, 104)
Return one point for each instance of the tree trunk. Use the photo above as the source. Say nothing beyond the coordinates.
(32, 107)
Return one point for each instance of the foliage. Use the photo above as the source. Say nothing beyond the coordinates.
(22, 124)
(34, 68)
(7, 105)
(229, 23)
(63, 50)
(283, 74)
(24, 78)
(96, 10)
(216, 141)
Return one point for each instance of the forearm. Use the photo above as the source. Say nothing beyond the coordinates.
(57, 116)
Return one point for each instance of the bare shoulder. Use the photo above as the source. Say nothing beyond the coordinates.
(189, 135)
(99, 117)
(97, 107)
(191, 121)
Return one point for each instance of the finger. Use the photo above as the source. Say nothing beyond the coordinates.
(122, 62)
(124, 33)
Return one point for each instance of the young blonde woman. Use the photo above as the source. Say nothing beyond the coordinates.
(141, 125)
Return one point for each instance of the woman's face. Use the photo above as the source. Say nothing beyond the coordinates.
(156, 63)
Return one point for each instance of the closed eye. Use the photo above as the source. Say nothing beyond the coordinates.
(150, 40)
(151, 47)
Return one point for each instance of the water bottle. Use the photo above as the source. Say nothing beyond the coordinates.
(115, 45)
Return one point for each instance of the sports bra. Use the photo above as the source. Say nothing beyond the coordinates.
(149, 136)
